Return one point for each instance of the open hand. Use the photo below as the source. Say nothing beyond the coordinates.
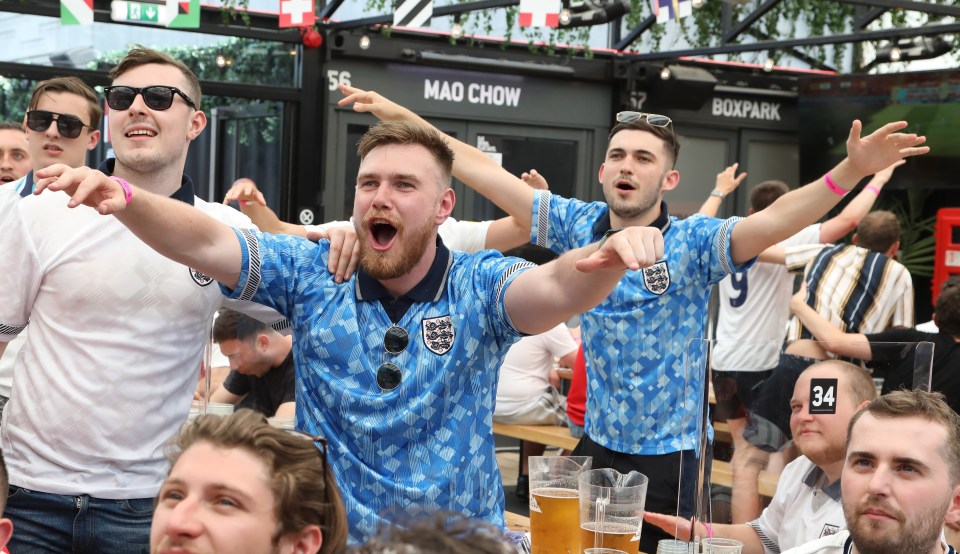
(344, 250)
(244, 191)
(84, 185)
(882, 148)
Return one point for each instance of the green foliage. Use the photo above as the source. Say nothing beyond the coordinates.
(917, 240)
(14, 98)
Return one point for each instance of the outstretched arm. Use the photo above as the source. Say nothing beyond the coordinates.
(174, 229)
(798, 208)
(727, 182)
(472, 166)
(682, 529)
(549, 294)
(831, 338)
(847, 220)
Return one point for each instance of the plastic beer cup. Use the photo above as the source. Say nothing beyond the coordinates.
(611, 509)
(554, 503)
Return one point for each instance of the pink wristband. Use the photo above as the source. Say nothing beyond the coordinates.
(833, 186)
(872, 189)
(127, 190)
(709, 530)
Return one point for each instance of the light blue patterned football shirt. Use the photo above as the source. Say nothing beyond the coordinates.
(640, 398)
(428, 444)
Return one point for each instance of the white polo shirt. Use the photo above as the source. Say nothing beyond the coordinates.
(117, 333)
(800, 511)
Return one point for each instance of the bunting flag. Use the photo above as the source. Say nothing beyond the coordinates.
(665, 10)
(413, 13)
(76, 12)
(540, 13)
(183, 14)
(297, 13)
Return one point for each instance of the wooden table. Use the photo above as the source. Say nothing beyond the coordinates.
(517, 522)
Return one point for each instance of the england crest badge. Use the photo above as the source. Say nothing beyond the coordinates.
(438, 334)
(200, 278)
(657, 278)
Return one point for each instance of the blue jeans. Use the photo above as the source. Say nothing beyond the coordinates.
(59, 524)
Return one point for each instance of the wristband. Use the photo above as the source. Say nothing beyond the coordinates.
(709, 530)
(872, 189)
(127, 189)
(833, 186)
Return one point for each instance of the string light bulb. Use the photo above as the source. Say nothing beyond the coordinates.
(456, 30)
(365, 42)
(565, 16)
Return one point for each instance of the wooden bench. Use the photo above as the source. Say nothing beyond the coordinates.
(722, 474)
(550, 435)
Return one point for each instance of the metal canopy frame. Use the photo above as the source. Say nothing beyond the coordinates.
(870, 11)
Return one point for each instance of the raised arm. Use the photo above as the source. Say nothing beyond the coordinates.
(801, 207)
(172, 228)
(831, 338)
(727, 182)
(472, 166)
(549, 294)
(847, 220)
(252, 203)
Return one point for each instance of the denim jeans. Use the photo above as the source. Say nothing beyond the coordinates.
(60, 524)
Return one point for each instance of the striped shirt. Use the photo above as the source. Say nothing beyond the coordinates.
(857, 290)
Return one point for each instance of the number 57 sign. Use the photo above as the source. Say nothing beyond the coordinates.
(823, 396)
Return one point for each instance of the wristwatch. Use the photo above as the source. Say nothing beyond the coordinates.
(718, 193)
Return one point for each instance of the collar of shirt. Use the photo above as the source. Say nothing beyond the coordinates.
(28, 185)
(662, 222)
(813, 477)
(184, 193)
(428, 289)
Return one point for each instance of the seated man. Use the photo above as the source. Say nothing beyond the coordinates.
(807, 503)
(262, 376)
(901, 478)
(238, 485)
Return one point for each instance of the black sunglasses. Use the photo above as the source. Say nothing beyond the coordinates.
(653, 119)
(395, 340)
(67, 125)
(156, 97)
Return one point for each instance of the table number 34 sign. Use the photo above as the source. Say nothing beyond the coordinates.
(823, 396)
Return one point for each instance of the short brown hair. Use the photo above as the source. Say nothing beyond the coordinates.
(11, 126)
(304, 489)
(860, 383)
(947, 310)
(766, 193)
(878, 231)
(670, 141)
(447, 532)
(931, 406)
(402, 132)
(70, 85)
(233, 325)
(139, 55)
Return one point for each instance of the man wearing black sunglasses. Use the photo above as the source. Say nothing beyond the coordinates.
(397, 367)
(62, 125)
(636, 341)
(116, 331)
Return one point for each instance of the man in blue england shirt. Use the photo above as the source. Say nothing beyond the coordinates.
(396, 367)
(641, 392)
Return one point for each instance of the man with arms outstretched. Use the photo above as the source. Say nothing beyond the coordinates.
(635, 341)
(397, 366)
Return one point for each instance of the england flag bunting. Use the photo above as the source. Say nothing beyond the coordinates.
(297, 13)
(665, 10)
(76, 12)
(540, 13)
(413, 13)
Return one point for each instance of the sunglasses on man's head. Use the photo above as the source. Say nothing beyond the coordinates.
(67, 125)
(156, 97)
(395, 340)
(653, 119)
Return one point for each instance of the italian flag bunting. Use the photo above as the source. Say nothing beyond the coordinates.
(76, 12)
(183, 14)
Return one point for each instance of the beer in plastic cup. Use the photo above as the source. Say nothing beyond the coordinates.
(611, 509)
(554, 503)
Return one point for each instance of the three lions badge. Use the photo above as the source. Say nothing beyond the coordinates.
(438, 334)
(657, 278)
(199, 278)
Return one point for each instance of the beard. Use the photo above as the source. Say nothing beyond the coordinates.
(626, 209)
(917, 535)
(411, 243)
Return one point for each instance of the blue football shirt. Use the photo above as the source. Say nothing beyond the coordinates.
(428, 444)
(643, 395)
